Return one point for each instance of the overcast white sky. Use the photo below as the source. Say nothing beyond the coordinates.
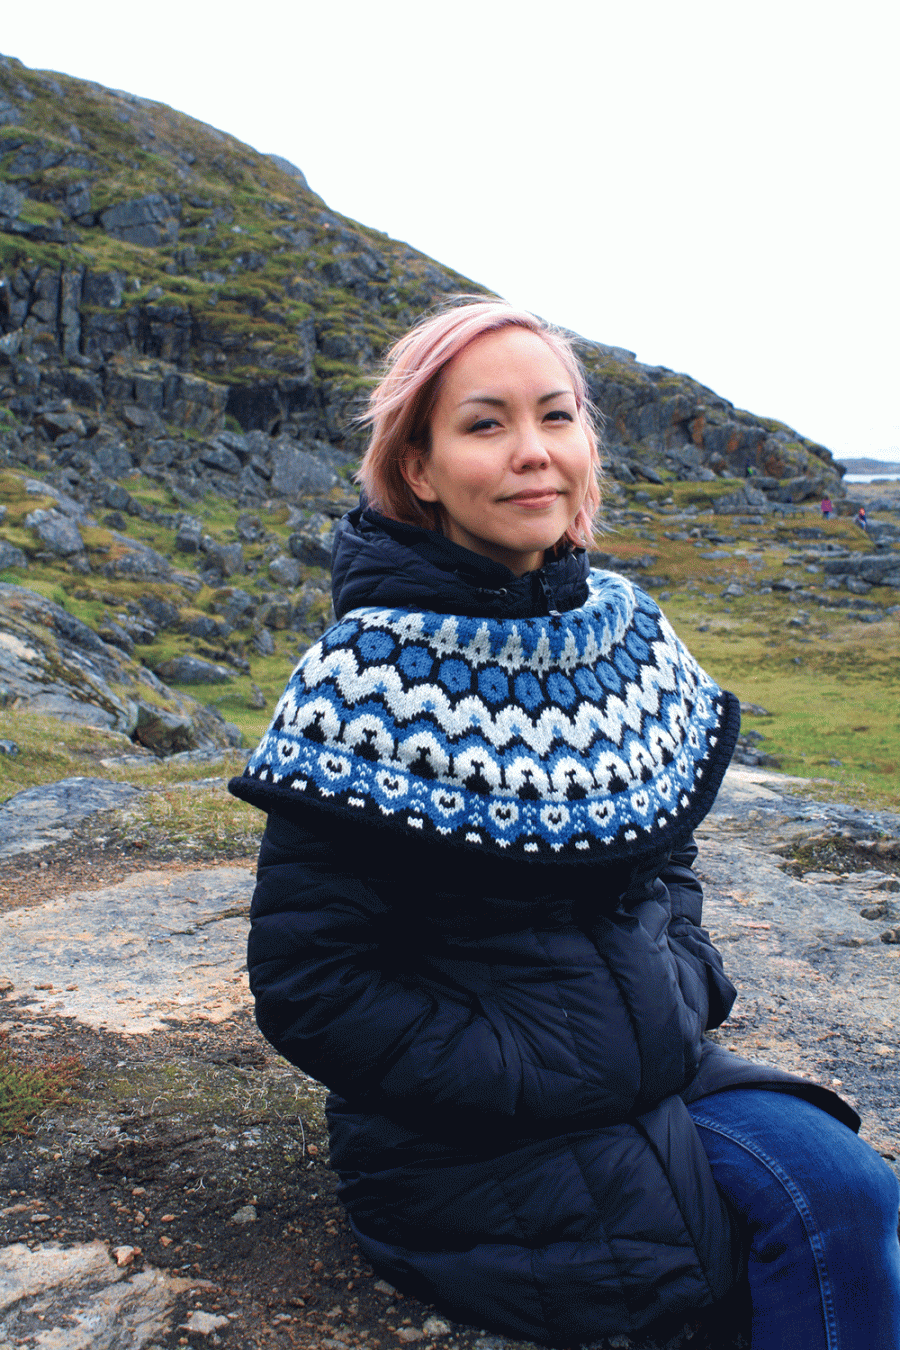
(710, 183)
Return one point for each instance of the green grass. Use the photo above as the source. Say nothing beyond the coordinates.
(28, 1089)
(832, 687)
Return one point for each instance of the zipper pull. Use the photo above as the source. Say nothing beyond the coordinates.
(548, 596)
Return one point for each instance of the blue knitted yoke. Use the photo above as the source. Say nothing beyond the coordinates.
(584, 735)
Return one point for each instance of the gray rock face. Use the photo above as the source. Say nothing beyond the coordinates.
(871, 569)
(44, 815)
(148, 221)
(53, 664)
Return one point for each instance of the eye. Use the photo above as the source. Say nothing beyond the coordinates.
(559, 415)
(484, 424)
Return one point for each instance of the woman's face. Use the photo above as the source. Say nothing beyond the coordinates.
(510, 464)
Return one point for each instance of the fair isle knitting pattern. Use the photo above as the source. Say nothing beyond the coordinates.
(593, 733)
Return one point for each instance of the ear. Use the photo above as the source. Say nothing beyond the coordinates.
(415, 471)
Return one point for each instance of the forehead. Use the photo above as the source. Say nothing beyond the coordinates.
(511, 360)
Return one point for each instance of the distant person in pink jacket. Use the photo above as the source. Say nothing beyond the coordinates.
(826, 508)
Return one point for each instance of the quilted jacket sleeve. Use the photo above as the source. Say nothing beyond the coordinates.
(332, 997)
(699, 961)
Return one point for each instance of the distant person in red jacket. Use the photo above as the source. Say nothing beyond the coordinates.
(862, 519)
(826, 507)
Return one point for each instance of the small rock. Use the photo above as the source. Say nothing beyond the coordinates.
(285, 571)
(204, 1323)
(6, 985)
(257, 698)
(408, 1334)
(383, 1287)
(10, 748)
(892, 935)
(124, 1255)
(10, 556)
(191, 670)
(264, 644)
(246, 1214)
(57, 532)
(436, 1326)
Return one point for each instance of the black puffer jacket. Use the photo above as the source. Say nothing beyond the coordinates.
(510, 1045)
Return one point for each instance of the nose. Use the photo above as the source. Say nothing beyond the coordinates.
(530, 452)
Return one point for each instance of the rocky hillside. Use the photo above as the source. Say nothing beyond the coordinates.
(186, 334)
(162, 284)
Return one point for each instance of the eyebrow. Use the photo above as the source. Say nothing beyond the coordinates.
(501, 402)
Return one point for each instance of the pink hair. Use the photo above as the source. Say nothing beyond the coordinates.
(401, 405)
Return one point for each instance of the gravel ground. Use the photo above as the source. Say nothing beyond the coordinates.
(182, 1195)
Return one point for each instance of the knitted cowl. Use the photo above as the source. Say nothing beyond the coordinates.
(585, 733)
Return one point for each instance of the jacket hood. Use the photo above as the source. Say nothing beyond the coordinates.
(384, 563)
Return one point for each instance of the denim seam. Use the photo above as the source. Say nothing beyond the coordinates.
(813, 1237)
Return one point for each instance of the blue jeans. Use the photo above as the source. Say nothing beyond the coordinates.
(818, 1209)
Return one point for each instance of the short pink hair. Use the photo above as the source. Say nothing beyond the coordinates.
(401, 405)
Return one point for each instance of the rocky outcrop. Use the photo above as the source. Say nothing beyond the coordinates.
(53, 664)
(265, 313)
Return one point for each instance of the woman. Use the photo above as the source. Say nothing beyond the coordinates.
(476, 919)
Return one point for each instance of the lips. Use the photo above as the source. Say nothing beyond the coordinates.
(534, 496)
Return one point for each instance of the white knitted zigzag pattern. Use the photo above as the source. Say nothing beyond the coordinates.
(574, 735)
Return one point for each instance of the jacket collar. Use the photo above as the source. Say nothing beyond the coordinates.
(380, 562)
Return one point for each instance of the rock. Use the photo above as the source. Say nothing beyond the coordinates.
(165, 733)
(41, 1286)
(203, 1323)
(10, 748)
(56, 532)
(286, 571)
(58, 424)
(53, 664)
(117, 636)
(256, 700)
(147, 221)
(10, 556)
(188, 535)
(246, 1214)
(295, 471)
(237, 607)
(39, 816)
(163, 614)
(219, 457)
(226, 558)
(206, 627)
(312, 544)
(192, 670)
(264, 642)
(138, 560)
(733, 591)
